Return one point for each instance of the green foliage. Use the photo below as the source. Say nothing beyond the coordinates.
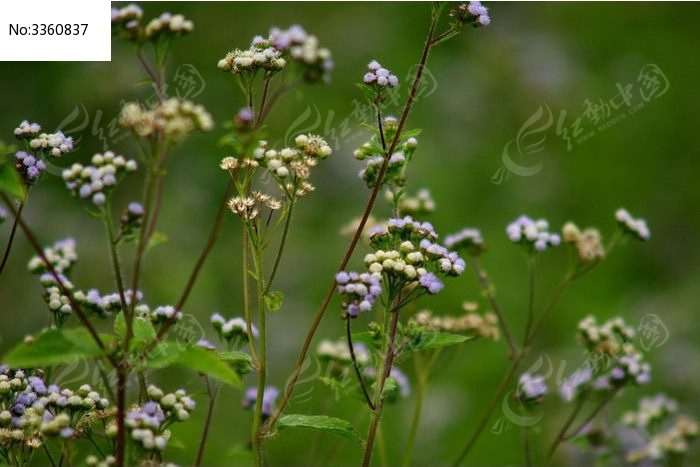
(273, 301)
(10, 183)
(324, 423)
(54, 347)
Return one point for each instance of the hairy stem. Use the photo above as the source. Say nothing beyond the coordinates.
(121, 411)
(114, 254)
(210, 412)
(246, 298)
(283, 241)
(262, 370)
(422, 371)
(488, 291)
(531, 300)
(356, 366)
(360, 228)
(11, 239)
(567, 424)
(379, 401)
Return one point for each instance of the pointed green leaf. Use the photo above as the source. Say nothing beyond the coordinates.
(434, 340)
(158, 238)
(10, 183)
(333, 425)
(273, 301)
(240, 361)
(53, 347)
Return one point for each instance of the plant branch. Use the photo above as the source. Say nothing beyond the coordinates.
(567, 424)
(13, 232)
(360, 228)
(356, 366)
(210, 411)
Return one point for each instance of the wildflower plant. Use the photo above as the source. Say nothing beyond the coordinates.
(376, 297)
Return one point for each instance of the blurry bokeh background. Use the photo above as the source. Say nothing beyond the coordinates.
(483, 88)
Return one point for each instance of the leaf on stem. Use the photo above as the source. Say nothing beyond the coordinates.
(333, 425)
(273, 301)
(10, 182)
(53, 347)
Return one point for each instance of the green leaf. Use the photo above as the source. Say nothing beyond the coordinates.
(10, 183)
(158, 238)
(333, 425)
(369, 92)
(143, 333)
(273, 301)
(120, 326)
(240, 361)
(433, 340)
(53, 347)
(411, 133)
(196, 358)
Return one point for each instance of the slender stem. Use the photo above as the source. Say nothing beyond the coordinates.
(360, 228)
(379, 402)
(548, 307)
(422, 371)
(262, 370)
(10, 240)
(489, 411)
(260, 114)
(74, 305)
(527, 449)
(531, 301)
(121, 411)
(210, 412)
(592, 415)
(356, 366)
(281, 247)
(246, 299)
(107, 217)
(567, 424)
(444, 35)
(488, 291)
(48, 454)
(156, 206)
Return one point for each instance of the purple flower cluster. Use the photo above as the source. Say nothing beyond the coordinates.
(532, 233)
(29, 167)
(268, 400)
(147, 424)
(576, 383)
(305, 49)
(379, 76)
(131, 218)
(431, 283)
(361, 290)
(31, 408)
(531, 389)
(127, 16)
(473, 13)
(467, 239)
(404, 228)
(635, 227)
(97, 180)
(61, 255)
(232, 329)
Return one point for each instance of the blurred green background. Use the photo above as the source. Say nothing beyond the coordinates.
(487, 84)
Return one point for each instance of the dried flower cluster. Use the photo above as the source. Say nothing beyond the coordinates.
(588, 243)
(175, 118)
(635, 227)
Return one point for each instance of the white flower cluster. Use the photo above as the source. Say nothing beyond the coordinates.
(260, 56)
(94, 461)
(379, 76)
(175, 118)
(636, 227)
(232, 164)
(27, 130)
(470, 323)
(97, 180)
(163, 314)
(467, 239)
(55, 144)
(304, 48)
(531, 389)
(29, 410)
(147, 423)
(620, 362)
(360, 290)
(650, 411)
(166, 23)
(588, 242)
(339, 352)
(420, 204)
(61, 255)
(232, 329)
(291, 166)
(128, 16)
(532, 233)
(473, 13)
(250, 207)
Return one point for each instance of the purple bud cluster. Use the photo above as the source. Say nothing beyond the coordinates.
(29, 167)
(360, 290)
(531, 389)
(637, 228)
(473, 13)
(31, 408)
(468, 239)
(147, 423)
(131, 218)
(304, 49)
(532, 234)
(30, 163)
(270, 395)
(96, 181)
(232, 329)
(379, 76)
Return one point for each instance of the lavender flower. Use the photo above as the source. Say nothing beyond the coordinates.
(379, 77)
(360, 290)
(637, 228)
(531, 233)
(467, 239)
(431, 283)
(531, 389)
(268, 400)
(96, 181)
(473, 13)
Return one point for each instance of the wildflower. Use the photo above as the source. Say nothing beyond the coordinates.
(304, 49)
(169, 25)
(131, 218)
(575, 384)
(269, 397)
(470, 323)
(373, 153)
(338, 352)
(205, 344)
(61, 255)
(473, 13)
(147, 424)
(588, 242)
(175, 118)
(379, 77)
(467, 239)
(531, 389)
(651, 410)
(420, 204)
(637, 228)
(26, 130)
(97, 180)
(361, 290)
(531, 233)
